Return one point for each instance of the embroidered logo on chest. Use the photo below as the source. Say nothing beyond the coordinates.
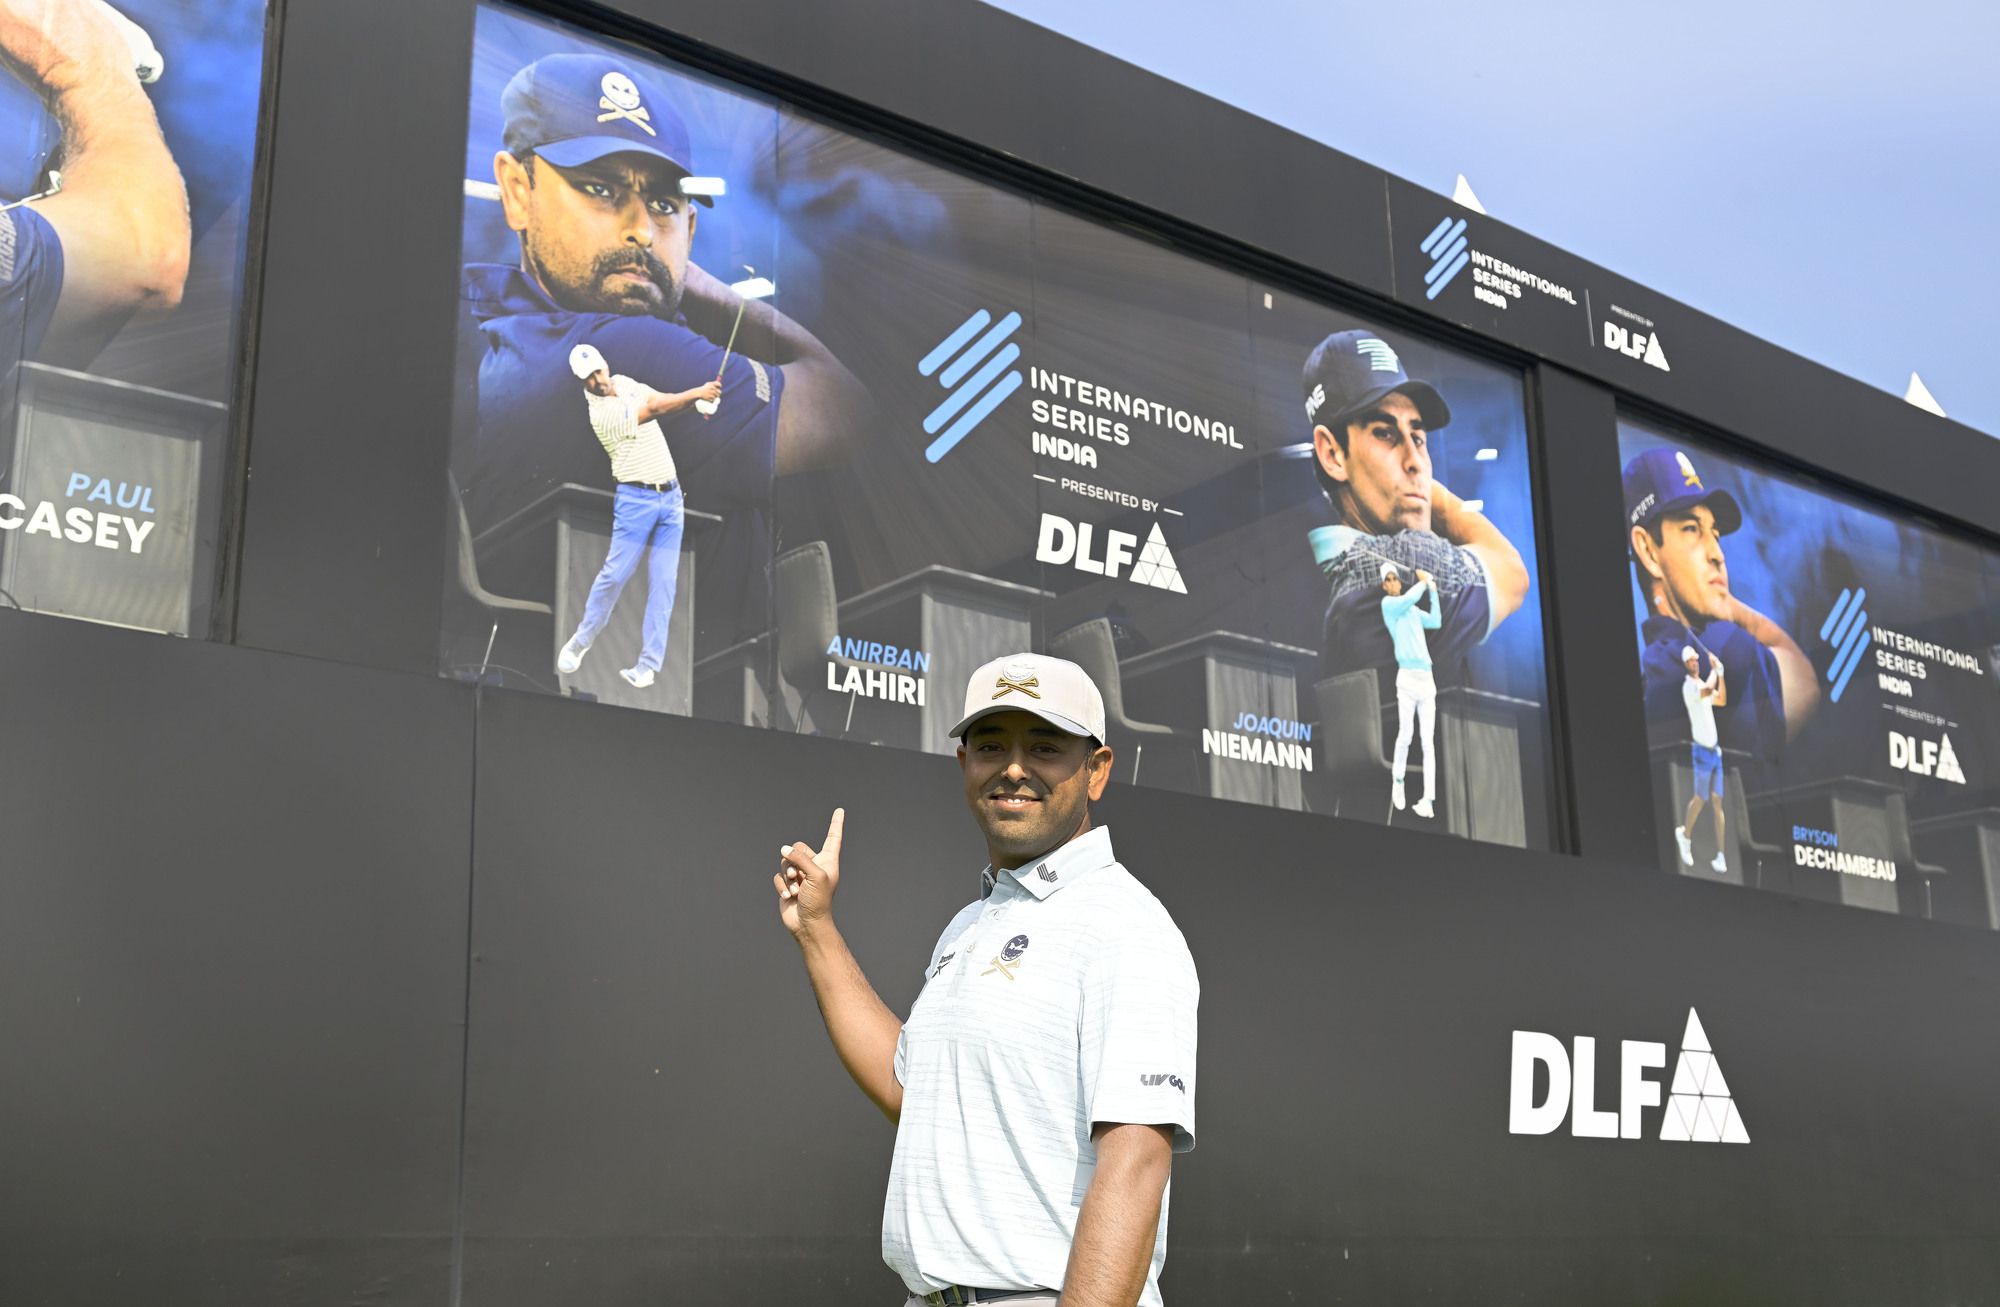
(1008, 958)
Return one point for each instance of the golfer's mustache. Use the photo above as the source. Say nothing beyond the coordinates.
(643, 260)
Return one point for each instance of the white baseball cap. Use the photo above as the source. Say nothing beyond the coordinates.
(1053, 689)
(1687, 652)
(584, 360)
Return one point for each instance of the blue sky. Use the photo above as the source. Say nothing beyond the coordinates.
(1826, 176)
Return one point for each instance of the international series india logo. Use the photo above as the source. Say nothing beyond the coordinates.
(973, 394)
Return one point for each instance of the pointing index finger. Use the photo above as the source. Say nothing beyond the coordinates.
(833, 830)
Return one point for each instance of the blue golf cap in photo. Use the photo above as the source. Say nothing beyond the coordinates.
(1351, 370)
(572, 109)
(1662, 481)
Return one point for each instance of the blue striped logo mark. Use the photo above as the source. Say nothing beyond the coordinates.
(1846, 629)
(983, 352)
(1446, 246)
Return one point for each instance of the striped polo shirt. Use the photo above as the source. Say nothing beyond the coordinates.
(638, 450)
(1063, 997)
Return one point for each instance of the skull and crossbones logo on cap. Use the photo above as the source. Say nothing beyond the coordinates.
(1017, 676)
(621, 100)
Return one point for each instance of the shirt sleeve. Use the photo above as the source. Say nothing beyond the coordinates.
(1466, 618)
(1137, 1034)
(31, 280)
(1433, 612)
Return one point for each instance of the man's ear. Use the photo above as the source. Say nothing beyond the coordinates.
(514, 182)
(1100, 771)
(1327, 450)
(1648, 555)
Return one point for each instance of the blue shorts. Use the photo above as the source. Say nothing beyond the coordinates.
(1707, 771)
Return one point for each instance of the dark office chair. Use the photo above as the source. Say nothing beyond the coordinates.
(1897, 810)
(1746, 841)
(1090, 645)
(1350, 726)
(468, 564)
(808, 623)
(518, 631)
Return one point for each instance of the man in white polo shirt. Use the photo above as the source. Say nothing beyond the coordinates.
(1046, 1075)
(647, 512)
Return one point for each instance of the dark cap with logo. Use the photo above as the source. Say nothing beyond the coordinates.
(1350, 371)
(1662, 481)
(572, 109)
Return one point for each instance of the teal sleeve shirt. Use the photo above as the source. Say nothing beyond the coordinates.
(1407, 624)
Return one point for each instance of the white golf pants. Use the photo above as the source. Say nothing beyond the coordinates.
(1416, 690)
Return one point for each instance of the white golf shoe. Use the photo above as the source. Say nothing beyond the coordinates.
(571, 657)
(1720, 866)
(1423, 806)
(637, 677)
(1396, 795)
(1687, 846)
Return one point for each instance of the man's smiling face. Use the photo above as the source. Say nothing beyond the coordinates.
(1029, 784)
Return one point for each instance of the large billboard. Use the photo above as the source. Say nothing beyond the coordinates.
(127, 139)
(1820, 685)
(763, 421)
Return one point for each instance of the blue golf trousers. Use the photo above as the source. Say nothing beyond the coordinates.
(644, 523)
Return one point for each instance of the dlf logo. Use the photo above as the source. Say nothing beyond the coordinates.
(1636, 345)
(973, 398)
(1699, 1108)
(1935, 758)
(1063, 541)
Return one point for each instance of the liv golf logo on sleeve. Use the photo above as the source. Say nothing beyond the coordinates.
(1699, 1106)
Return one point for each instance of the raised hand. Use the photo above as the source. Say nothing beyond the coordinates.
(806, 879)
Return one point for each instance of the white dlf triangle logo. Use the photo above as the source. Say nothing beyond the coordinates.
(1063, 541)
(1699, 1108)
(1156, 564)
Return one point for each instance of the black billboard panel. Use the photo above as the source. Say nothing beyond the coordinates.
(1819, 682)
(949, 424)
(904, 544)
(1344, 509)
(1480, 273)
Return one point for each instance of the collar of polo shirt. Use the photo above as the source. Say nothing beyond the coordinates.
(1049, 873)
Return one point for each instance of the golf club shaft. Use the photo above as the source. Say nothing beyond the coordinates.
(741, 304)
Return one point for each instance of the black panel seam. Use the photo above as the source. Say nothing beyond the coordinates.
(465, 1012)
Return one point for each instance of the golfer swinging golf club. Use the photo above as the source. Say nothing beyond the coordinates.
(1046, 1075)
(647, 512)
(1416, 688)
(1703, 695)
